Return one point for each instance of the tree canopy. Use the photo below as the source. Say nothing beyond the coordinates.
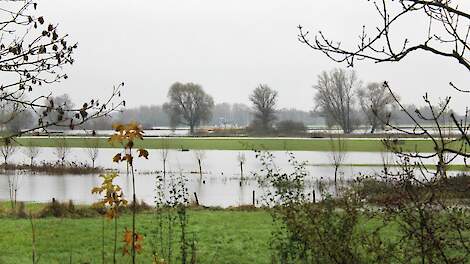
(334, 98)
(264, 101)
(189, 105)
(377, 103)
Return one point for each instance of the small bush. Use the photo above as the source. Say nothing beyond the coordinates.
(257, 130)
(67, 209)
(21, 210)
(290, 127)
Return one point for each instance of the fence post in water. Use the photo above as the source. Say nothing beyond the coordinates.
(197, 200)
(254, 198)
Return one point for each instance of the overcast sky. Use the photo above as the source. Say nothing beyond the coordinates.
(229, 47)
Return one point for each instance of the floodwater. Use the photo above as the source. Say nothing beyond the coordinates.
(219, 185)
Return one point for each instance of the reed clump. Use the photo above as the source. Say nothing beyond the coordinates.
(57, 168)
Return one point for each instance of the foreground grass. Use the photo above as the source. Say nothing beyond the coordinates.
(292, 144)
(222, 237)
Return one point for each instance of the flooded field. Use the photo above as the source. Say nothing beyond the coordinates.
(219, 185)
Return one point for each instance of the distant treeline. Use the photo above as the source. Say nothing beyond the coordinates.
(223, 115)
(232, 115)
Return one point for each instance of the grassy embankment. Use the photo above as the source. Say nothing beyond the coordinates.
(373, 145)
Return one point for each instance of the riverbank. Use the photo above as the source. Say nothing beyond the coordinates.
(211, 143)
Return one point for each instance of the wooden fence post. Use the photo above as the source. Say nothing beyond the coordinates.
(197, 200)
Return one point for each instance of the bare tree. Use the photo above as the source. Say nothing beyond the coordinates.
(448, 28)
(92, 149)
(13, 186)
(241, 161)
(445, 23)
(62, 149)
(338, 155)
(425, 218)
(64, 102)
(264, 101)
(377, 103)
(200, 155)
(14, 117)
(164, 154)
(31, 151)
(189, 105)
(387, 160)
(334, 98)
(7, 149)
(34, 54)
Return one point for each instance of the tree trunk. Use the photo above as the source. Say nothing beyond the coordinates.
(336, 177)
(191, 129)
(374, 125)
(200, 167)
(164, 169)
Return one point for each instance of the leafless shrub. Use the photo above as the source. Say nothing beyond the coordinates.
(31, 151)
(7, 149)
(338, 155)
(92, 149)
(13, 186)
(164, 150)
(62, 149)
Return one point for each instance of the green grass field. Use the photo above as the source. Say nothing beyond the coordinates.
(290, 144)
(222, 237)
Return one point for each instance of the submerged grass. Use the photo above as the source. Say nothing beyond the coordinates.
(53, 168)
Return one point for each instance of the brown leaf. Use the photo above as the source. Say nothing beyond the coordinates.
(117, 157)
(143, 153)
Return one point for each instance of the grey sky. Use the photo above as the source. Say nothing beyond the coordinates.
(228, 47)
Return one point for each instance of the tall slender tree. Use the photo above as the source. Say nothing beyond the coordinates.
(334, 98)
(264, 101)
